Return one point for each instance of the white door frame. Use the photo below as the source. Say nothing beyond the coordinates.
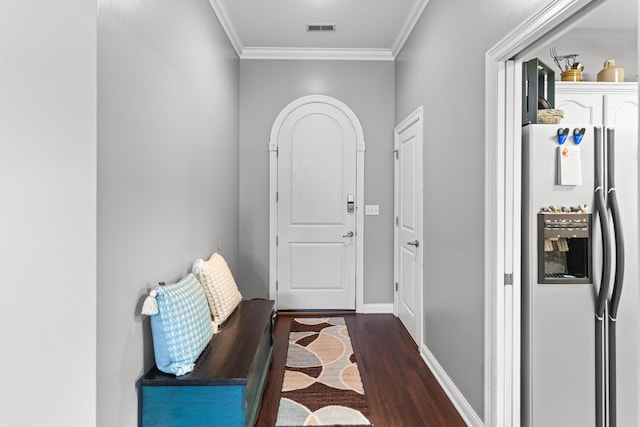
(416, 117)
(273, 189)
(502, 209)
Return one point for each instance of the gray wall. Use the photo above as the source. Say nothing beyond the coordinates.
(266, 87)
(48, 213)
(167, 172)
(442, 68)
(595, 45)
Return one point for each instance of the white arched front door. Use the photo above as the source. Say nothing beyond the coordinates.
(316, 209)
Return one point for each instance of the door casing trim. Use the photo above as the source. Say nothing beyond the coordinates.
(273, 189)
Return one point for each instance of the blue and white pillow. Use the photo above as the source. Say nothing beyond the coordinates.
(181, 327)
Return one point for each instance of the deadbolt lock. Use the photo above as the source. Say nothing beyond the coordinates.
(351, 205)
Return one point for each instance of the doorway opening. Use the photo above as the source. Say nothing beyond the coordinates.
(502, 202)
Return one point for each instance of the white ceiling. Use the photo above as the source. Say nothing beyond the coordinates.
(613, 14)
(365, 29)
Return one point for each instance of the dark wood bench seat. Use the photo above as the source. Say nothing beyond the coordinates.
(226, 386)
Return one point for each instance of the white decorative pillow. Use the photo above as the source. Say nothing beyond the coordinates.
(219, 287)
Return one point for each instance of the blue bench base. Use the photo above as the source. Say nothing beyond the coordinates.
(227, 383)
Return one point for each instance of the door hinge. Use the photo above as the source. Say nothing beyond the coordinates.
(395, 153)
(277, 194)
(276, 240)
(396, 286)
(276, 285)
(396, 221)
(508, 279)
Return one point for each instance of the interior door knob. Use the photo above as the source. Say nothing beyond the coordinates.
(414, 243)
(349, 234)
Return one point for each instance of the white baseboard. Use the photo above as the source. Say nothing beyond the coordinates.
(464, 408)
(377, 308)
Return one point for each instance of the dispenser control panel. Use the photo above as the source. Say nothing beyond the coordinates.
(564, 240)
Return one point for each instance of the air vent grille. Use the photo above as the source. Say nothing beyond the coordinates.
(321, 27)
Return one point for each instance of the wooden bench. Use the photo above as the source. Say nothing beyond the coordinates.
(226, 386)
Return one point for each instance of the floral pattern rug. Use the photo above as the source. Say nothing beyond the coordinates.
(322, 385)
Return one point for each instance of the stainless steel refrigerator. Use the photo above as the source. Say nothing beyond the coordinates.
(580, 256)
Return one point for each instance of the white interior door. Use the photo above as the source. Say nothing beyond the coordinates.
(316, 209)
(408, 229)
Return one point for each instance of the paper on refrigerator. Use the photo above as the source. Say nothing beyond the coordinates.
(569, 165)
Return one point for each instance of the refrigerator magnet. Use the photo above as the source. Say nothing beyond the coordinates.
(562, 135)
(578, 134)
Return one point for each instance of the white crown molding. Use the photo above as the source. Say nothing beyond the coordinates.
(595, 87)
(227, 24)
(317, 54)
(414, 13)
(537, 27)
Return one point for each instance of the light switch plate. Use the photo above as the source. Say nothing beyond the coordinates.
(372, 209)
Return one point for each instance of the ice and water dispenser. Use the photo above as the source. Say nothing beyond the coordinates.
(564, 245)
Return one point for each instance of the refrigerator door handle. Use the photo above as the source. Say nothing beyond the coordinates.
(601, 209)
(612, 203)
(605, 279)
(618, 235)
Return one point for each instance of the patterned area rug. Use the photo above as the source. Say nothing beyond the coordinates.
(322, 385)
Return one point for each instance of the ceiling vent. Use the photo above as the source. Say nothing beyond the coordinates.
(321, 27)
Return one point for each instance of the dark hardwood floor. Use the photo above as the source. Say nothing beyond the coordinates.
(400, 389)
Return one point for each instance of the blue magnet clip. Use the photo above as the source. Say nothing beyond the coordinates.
(578, 134)
(562, 135)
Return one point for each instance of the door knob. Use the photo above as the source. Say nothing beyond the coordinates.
(414, 243)
(349, 234)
